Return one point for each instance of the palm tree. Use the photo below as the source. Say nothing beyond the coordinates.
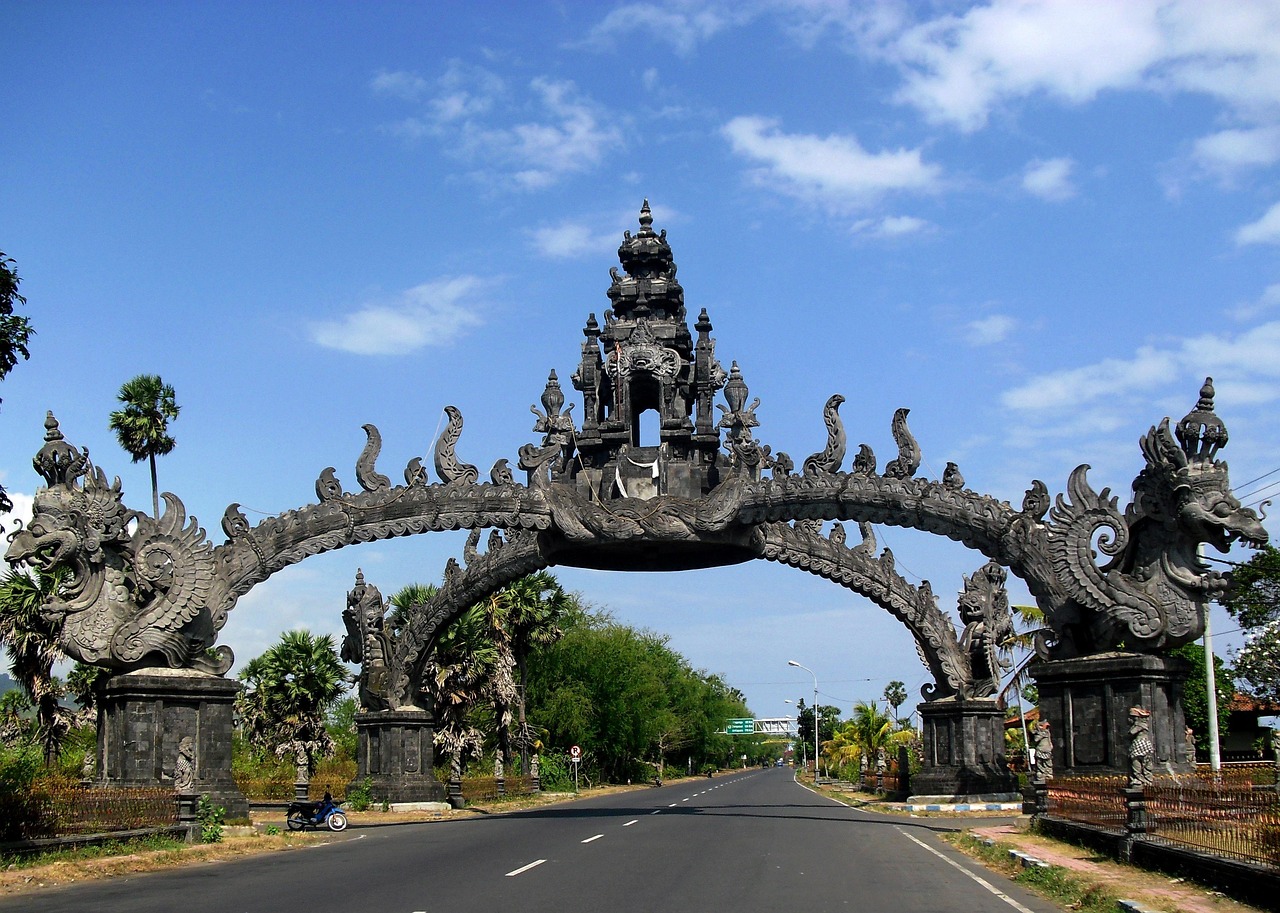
(895, 694)
(288, 690)
(535, 607)
(142, 426)
(32, 644)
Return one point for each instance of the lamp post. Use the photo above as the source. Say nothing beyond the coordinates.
(792, 662)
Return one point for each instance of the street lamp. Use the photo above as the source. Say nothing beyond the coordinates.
(792, 662)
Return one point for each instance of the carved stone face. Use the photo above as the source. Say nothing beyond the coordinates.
(72, 530)
(1214, 515)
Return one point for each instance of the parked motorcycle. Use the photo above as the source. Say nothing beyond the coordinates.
(325, 813)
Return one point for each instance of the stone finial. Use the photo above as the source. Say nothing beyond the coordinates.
(1201, 433)
(59, 462)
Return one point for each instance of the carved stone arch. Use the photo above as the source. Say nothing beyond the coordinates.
(861, 571)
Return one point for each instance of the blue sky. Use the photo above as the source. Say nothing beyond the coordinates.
(1037, 225)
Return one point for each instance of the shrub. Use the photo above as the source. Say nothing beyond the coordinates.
(210, 817)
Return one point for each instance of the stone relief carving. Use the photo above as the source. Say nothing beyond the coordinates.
(1042, 747)
(1141, 751)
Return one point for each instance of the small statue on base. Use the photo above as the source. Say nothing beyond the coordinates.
(88, 767)
(1042, 753)
(1191, 747)
(1141, 751)
(184, 769)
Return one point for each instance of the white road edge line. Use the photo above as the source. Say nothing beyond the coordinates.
(596, 837)
(631, 822)
(672, 805)
(525, 868)
(951, 862)
(656, 811)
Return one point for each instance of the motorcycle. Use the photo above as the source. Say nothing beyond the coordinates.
(325, 813)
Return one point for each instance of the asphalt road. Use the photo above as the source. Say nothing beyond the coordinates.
(754, 840)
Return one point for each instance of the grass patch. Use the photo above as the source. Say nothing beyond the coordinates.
(1055, 883)
(153, 843)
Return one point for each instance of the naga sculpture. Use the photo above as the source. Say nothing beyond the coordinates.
(366, 643)
(132, 590)
(138, 591)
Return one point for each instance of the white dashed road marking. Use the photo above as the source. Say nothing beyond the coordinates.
(596, 837)
(631, 822)
(525, 868)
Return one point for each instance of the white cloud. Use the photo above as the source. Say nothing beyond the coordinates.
(1049, 179)
(834, 171)
(892, 226)
(1269, 299)
(682, 26)
(1264, 231)
(958, 68)
(1248, 363)
(572, 239)
(399, 84)
(1229, 151)
(432, 314)
(989, 330)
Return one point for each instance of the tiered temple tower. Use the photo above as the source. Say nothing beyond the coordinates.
(644, 358)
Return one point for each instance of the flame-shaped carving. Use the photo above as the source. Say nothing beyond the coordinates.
(908, 459)
(831, 456)
(366, 474)
(447, 465)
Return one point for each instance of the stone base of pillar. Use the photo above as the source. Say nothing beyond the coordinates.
(144, 715)
(1086, 703)
(963, 750)
(396, 754)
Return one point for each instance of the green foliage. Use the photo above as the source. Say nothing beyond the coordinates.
(31, 641)
(341, 726)
(288, 690)
(1254, 597)
(1195, 694)
(142, 426)
(271, 830)
(211, 818)
(83, 683)
(20, 763)
(360, 796)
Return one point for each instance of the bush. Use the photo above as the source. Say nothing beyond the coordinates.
(210, 817)
(360, 797)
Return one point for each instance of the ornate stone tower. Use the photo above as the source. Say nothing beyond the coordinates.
(645, 359)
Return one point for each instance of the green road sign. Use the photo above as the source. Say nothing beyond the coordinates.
(740, 727)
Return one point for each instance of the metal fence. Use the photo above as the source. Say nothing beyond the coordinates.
(1229, 813)
(62, 810)
(1093, 800)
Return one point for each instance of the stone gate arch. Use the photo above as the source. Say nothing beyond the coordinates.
(142, 593)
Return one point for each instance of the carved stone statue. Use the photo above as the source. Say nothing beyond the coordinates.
(1042, 752)
(497, 766)
(367, 642)
(1190, 743)
(534, 769)
(184, 768)
(988, 625)
(138, 591)
(882, 763)
(88, 766)
(1141, 751)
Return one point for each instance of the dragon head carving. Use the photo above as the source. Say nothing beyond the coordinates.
(132, 591)
(1152, 595)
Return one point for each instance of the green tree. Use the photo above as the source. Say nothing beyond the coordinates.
(535, 606)
(15, 334)
(142, 426)
(1195, 692)
(83, 684)
(871, 729)
(31, 641)
(1254, 601)
(288, 691)
(895, 695)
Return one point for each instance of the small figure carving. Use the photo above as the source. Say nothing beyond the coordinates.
(1141, 751)
(1190, 745)
(88, 766)
(534, 769)
(497, 766)
(864, 463)
(783, 465)
(1042, 752)
(882, 763)
(952, 480)
(184, 769)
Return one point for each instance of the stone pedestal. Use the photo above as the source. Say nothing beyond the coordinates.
(963, 750)
(395, 752)
(1086, 703)
(144, 715)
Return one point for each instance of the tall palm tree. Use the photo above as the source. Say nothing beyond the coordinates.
(142, 426)
(535, 605)
(32, 644)
(288, 690)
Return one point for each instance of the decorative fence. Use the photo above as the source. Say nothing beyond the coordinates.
(64, 809)
(1229, 814)
(485, 789)
(1234, 813)
(1093, 800)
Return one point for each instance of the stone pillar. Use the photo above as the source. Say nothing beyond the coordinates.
(395, 752)
(1086, 702)
(963, 749)
(142, 717)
